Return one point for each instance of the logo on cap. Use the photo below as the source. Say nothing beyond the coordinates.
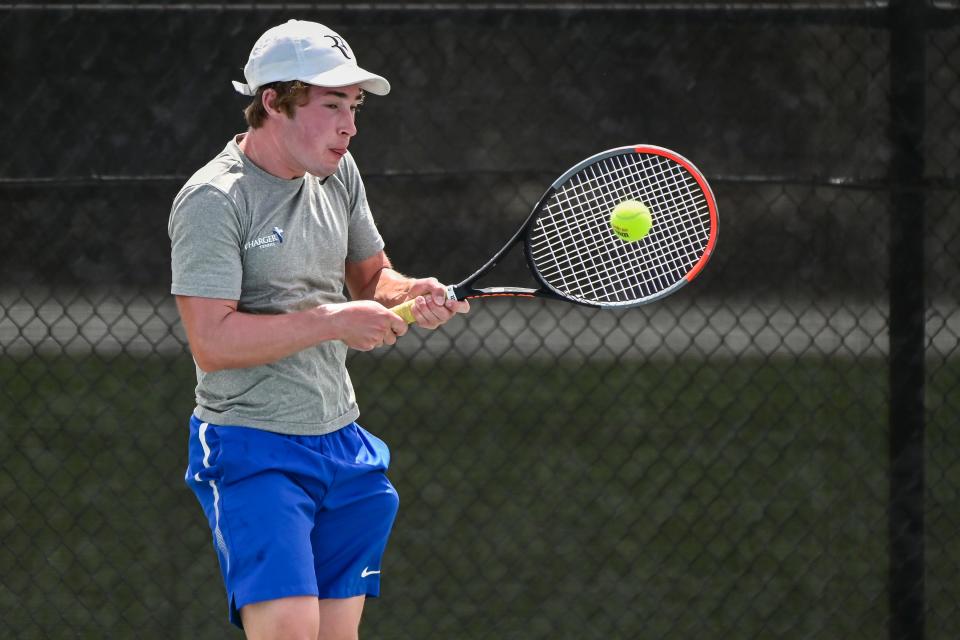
(338, 43)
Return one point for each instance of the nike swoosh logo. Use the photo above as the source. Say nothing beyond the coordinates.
(366, 572)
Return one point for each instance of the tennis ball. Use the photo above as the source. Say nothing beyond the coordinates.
(631, 220)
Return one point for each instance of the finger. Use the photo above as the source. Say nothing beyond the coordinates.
(435, 290)
(457, 306)
(448, 309)
(442, 314)
(398, 326)
(430, 315)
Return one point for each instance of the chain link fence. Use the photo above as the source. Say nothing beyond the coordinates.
(764, 454)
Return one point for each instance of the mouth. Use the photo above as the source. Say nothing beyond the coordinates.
(339, 151)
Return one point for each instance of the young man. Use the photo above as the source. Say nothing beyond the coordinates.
(264, 239)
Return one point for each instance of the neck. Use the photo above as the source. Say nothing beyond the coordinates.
(262, 148)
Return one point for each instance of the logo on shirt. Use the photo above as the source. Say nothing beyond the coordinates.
(271, 240)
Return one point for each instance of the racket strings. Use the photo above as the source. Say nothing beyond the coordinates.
(605, 276)
(576, 252)
(664, 184)
(584, 262)
(581, 195)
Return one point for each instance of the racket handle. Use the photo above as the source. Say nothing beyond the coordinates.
(404, 310)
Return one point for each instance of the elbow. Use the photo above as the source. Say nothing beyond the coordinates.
(207, 357)
(206, 365)
(205, 322)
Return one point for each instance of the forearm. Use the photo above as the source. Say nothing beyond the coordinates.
(392, 288)
(225, 338)
(375, 279)
(249, 340)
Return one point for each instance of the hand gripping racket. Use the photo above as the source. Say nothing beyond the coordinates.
(573, 252)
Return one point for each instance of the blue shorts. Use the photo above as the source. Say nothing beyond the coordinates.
(293, 515)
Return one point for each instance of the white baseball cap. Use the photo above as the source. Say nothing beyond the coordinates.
(309, 52)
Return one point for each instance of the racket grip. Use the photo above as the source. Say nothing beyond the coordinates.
(404, 310)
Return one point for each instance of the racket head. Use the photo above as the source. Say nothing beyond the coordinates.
(574, 254)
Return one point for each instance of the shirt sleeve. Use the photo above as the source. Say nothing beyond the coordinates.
(205, 235)
(363, 239)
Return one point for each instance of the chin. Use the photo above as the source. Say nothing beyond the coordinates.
(325, 170)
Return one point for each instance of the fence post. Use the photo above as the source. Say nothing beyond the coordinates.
(906, 509)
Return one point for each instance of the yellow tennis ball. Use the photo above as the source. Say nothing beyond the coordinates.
(631, 220)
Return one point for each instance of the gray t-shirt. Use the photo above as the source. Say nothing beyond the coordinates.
(274, 246)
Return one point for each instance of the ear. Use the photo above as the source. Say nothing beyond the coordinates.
(268, 99)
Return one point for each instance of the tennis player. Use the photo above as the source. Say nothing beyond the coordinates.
(265, 238)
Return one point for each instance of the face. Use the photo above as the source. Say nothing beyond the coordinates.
(317, 136)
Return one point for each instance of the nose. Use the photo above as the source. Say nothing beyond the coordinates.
(348, 124)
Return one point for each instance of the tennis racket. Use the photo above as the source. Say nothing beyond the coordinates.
(572, 251)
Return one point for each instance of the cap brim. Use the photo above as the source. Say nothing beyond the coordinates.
(346, 75)
(342, 76)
